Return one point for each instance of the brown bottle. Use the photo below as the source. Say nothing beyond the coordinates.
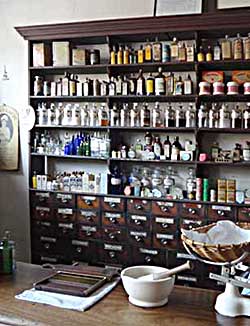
(238, 48)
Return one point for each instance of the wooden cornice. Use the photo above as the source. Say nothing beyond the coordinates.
(115, 27)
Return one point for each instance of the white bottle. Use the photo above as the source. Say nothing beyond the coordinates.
(246, 117)
(234, 116)
(177, 117)
(84, 116)
(75, 120)
(123, 115)
(92, 116)
(134, 115)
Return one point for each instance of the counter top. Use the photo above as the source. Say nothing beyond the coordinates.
(187, 306)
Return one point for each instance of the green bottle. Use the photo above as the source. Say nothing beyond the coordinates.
(7, 254)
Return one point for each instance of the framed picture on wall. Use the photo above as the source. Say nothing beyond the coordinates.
(232, 4)
(177, 7)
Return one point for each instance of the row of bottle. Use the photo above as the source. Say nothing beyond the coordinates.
(152, 148)
(160, 84)
(127, 115)
(76, 181)
(238, 49)
(81, 144)
(237, 154)
(219, 116)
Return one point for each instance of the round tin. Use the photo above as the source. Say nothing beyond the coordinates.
(247, 88)
(204, 88)
(232, 88)
(218, 88)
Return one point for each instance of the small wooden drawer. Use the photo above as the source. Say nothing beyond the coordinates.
(88, 217)
(113, 204)
(40, 259)
(45, 244)
(42, 213)
(162, 224)
(220, 212)
(40, 198)
(88, 202)
(188, 223)
(114, 254)
(244, 214)
(142, 256)
(163, 208)
(209, 283)
(64, 200)
(65, 214)
(165, 240)
(87, 232)
(114, 234)
(192, 210)
(82, 250)
(46, 228)
(189, 279)
(138, 205)
(138, 221)
(140, 238)
(110, 218)
(66, 229)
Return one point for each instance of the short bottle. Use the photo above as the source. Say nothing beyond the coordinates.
(140, 55)
(174, 50)
(200, 55)
(148, 52)
(140, 84)
(113, 56)
(167, 149)
(226, 49)
(157, 51)
(160, 88)
(217, 52)
(120, 55)
(247, 47)
(238, 48)
(209, 55)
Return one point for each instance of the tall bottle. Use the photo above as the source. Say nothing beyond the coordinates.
(182, 54)
(176, 148)
(72, 85)
(217, 52)
(226, 49)
(167, 147)
(157, 51)
(209, 55)
(124, 115)
(238, 48)
(188, 85)
(145, 116)
(157, 148)
(148, 52)
(65, 85)
(174, 50)
(140, 84)
(160, 88)
(114, 116)
(150, 83)
(140, 55)
(247, 47)
(120, 56)
(191, 184)
(200, 55)
(112, 86)
(156, 116)
(134, 116)
(126, 55)
(116, 182)
(113, 56)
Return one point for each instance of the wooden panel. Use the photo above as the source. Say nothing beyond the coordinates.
(113, 218)
(244, 214)
(142, 256)
(115, 234)
(138, 221)
(113, 204)
(220, 212)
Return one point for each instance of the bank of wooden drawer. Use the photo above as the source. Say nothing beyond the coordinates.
(88, 202)
(66, 229)
(113, 218)
(244, 214)
(82, 250)
(115, 234)
(46, 228)
(138, 221)
(88, 232)
(220, 212)
(165, 240)
(51, 245)
(113, 204)
(64, 200)
(114, 254)
(142, 256)
(65, 214)
(42, 213)
(40, 198)
(88, 217)
(164, 208)
(192, 210)
(138, 206)
(164, 223)
(140, 238)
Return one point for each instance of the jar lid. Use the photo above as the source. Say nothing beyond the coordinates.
(204, 83)
(232, 83)
(218, 84)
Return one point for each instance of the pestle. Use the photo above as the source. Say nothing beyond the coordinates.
(170, 272)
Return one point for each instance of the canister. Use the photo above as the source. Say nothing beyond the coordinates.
(38, 86)
(205, 190)
(46, 88)
(232, 88)
(247, 88)
(95, 57)
(218, 88)
(204, 88)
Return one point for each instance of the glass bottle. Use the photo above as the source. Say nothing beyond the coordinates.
(167, 147)
(140, 55)
(119, 85)
(134, 116)
(215, 149)
(179, 87)
(7, 254)
(209, 56)
(113, 56)
(156, 116)
(176, 148)
(65, 85)
(160, 83)
(169, 117)
(148, 51)
(124, 115)
(166, 53)
(125, 86)
(190, 117)
(132, 85)
(191, 184)
(140, 84)
(169, 84)
(157, 51)
(145, 116)
(224, 117)
(112, 86)
(150, 85)
(84, 116)
(103, 119)
(174, 50)
(237, 153)
(247, 47)
(157, 147)
(116, 182)
(148, 141)
(188, 85)
(246, 117)
(138, 149)
(114, 116)
(126, 55)
(226, 49)
(238, 48)
(200, 55)
(169, 181)
(201, 116)
(131, 152)
(93, 116)
(72, 85)
(182, 55)
(120, 56)
(217, 52)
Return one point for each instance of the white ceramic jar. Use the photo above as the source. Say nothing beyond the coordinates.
(218, 88)
(205, 88)
(232, 88)
(247, 88)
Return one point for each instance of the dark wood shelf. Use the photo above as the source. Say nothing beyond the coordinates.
(232, 164)
(224, 65)
(224, 130)
(77, 157)
(224, 98)
(154, 129)
(71, 127)
(69, 98)
(79, 69)
(128, 160)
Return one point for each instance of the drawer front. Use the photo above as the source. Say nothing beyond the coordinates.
(113, 218)
(244, 214)
(140, 238)
(40, 259)
(88, 202)
(65, 229)
(113, 204)
(88, 217)
(138, 221)
(45, 228)
(42, 213)
(142, 256)
(164, 224)
(87, 232)
(64, 200)
(40, 199)
(115, 234)
(165, 240)
(45, 244)
(164, 208)
(138, 205)
(65, 214)
(82, 250)
(192, 210)
(188, 223)
(217, 212)
(114, 254)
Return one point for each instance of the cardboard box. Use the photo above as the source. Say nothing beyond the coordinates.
(230, 196)
(60, 52)
(213, 76)
(41, 55)
(80, 57)
(241, 76)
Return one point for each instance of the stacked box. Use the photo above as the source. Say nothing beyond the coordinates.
(60, 53)
(221, 190)
(41, 55)
(231, 188)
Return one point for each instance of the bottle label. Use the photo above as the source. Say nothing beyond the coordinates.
(157, 52)
(174, 51)
(226, 50)
(167, 150)
(187, 87)
(148, 56)
(139, 87)
(119, 57)
(159, 86)
(115, 181)
(247, 49)
(150, 86)
(237, 49)
(140, 56)
(112, 58)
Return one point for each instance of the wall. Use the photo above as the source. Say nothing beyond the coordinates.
(14, 207)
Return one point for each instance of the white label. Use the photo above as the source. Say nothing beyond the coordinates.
(192, 222)
(112, 200)
(65, 226)
(112, 247)
(139, 217)
(191, 206)
(184, 256)
(44, 209)
(115, 181)
(164, 236)
(88, 198)
(159, 86)
(47, 239)
(87, 213)
(112, 215)
(80, 243)
(221, 208)
(67, 211)
(164, 220)
(187, 278)
(42, 194)
(45, 224)
(63, 196)
(147, 251)
(139, 234)
(49, 259)
(161, 203)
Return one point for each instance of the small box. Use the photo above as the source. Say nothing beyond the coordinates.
(80, 57)
(39, 181)
(230, 196)
(41, 55)
(44, 182)
(231, 185)
(221, 195)
(221, 185)
(212, 76)
(60, 53)
(241, 76)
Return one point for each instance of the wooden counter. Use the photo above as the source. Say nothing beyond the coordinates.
(186, 307)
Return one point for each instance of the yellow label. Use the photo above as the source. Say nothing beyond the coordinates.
(174, 51)
(125, 57)
(148, 53)
(140, 56)
(209, 57)
(226, 50)
(150, 86)
(247, 49)
(200, 57)
(112, 58)
(34, 182)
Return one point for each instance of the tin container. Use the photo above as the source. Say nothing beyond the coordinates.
(232, 88)
(212, 195)
(38, 86)
(218, 88)
(204, 88)
(95, 57)
(247, 88)
(205, 190)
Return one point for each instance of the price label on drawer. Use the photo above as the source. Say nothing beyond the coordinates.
(67, 211)
(187, 278)
(187, 222)
(112, 247)
(44, 209)
(42, 194)
(192, 205)
(80, 243)
(112, 215)
(49, 259)
(112, 200)
(162, 203)
(89, 198)
(48, 239)
(164, 220)
(88, 228)
(164, 236)
(47, 224)
(221, 208)
(148, 251)
(64, 196)
(138, 234)
(139, 217)
(184, 256)
(66, 225)
(87, 213)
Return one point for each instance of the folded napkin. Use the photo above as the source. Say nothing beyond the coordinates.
(67, 301)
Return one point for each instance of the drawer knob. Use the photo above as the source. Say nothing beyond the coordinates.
(164, 241)
(221, 213)
(191, 211)
(112, 205)
(88, 202)
(41, 199)
(88, 233)
(64, 200)
(46, 246)
(138, 239)
(89, 218)
(79, 250)
(164, 225)
(138, 222)
(164, 208)
(42, 214)
(148, 259)
(112, 254)
(113, 220)
(111, 236)
(138, 207)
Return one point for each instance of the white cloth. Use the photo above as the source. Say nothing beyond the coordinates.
(223, 233)
(67, 301)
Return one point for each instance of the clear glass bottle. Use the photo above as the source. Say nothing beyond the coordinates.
(191, 184)
(190, 116)
(140, 84)
(160, 83)
(103, 117)
(246, 117)
(112, 86)
(217, 52)
(156, 116)
(134, 116)
(124, 115)
(114, 116)
(224, 117)
(174, 50)
(157, 147)
(182, 54)
(145, 116)
(226, 49)
(188, 85)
